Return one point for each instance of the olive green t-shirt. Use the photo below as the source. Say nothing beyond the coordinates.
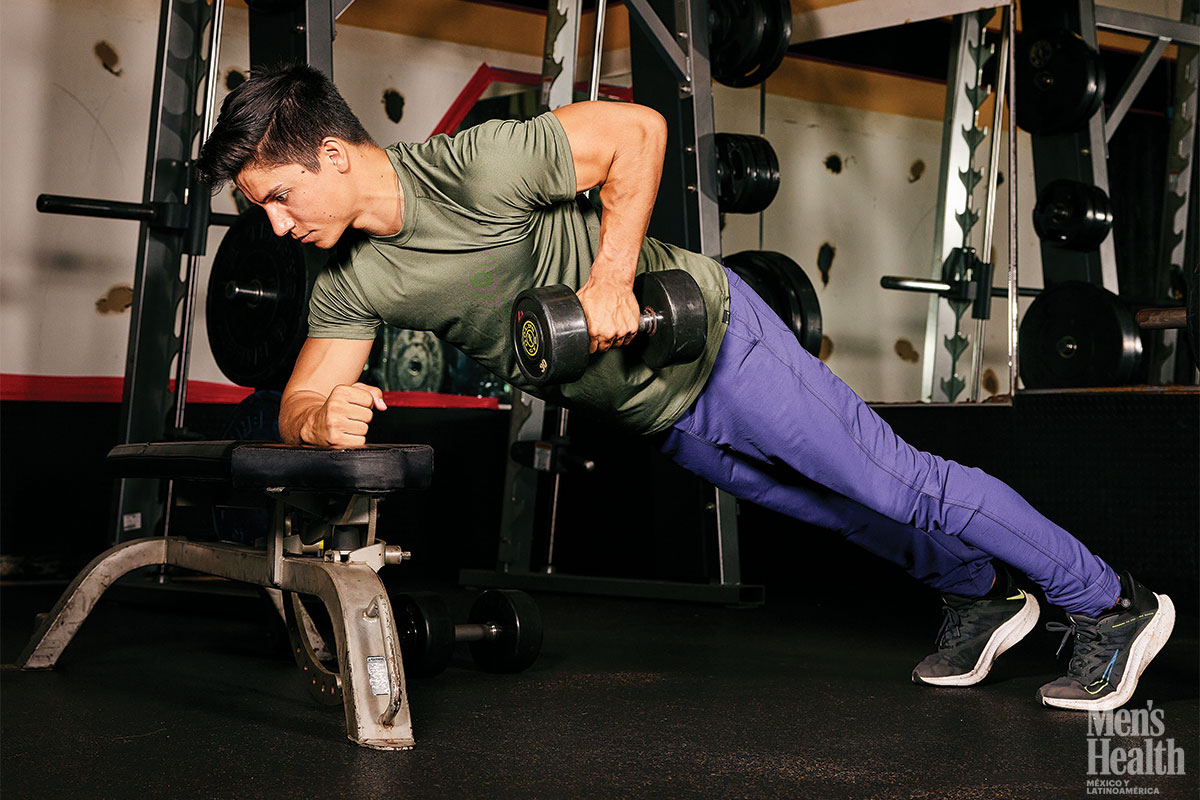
(488, 213)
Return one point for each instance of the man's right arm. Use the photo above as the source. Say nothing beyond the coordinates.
(324, 404)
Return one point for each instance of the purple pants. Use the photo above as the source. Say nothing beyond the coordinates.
(775, 427)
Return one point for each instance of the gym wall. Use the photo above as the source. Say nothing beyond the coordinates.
(80, 129)
(858, 154)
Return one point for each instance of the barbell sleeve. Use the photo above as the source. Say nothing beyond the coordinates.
(113, 209)
(1162, 318)
(914, 285)
(941, 287)
(94, 207)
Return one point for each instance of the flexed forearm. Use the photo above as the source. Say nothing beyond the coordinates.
(618, 147)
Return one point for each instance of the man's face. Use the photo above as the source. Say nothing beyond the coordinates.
(306, 205)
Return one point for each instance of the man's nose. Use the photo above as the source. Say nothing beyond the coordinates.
(281, 223)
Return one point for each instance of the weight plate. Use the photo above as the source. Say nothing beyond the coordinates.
(1072, 215)
(426, 632)
(1076, 335)
(747, 39)
(682, 331)
(784, 286)
(766, 186)
(410, 361)
(1060, 81)
(759, 280)
(518, 624)
(747, 173)
(550, 335)
(257, 302)
(803, 295)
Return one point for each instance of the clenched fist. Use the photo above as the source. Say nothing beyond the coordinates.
(343, 419)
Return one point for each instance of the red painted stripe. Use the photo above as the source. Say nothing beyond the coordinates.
(485, 76)
(465, 100)
(436, 400)
(103, 389)
(70, 389)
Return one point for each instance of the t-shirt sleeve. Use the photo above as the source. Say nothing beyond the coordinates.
(338, 309)
(509, 166)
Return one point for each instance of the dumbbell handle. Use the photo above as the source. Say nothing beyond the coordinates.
(476, 632)
(649, 321)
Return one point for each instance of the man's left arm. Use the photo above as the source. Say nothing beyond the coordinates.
(618, 147)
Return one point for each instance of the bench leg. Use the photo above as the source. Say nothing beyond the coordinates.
(320, 649)
(368, 646)
(59, 626)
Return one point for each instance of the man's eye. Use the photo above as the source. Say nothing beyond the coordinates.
(282, 196)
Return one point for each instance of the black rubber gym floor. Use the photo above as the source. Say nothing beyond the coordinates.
(193, 695)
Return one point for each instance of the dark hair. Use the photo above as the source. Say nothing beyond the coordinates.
(279, 116)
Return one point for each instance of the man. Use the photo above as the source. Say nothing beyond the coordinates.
(441, 236)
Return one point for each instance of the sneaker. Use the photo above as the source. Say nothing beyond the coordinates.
(1111, 651)
(975, 630)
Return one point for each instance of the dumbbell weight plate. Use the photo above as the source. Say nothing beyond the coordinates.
(426, 632)
(681, 333)
(519, 637)
(550, 335)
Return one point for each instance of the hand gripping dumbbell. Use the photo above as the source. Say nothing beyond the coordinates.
(550, 331)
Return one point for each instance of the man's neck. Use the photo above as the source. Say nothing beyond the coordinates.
(381, 206)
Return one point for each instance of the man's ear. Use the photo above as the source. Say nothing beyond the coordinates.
(335, 152)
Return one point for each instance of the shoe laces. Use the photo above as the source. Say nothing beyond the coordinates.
(1093, 650)
(957, 621)
(951, 627)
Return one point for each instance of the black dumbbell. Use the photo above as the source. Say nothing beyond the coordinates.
(504, 629)
(550, 332)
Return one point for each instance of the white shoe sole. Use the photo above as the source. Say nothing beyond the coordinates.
(1004, 637)
(1143, 650)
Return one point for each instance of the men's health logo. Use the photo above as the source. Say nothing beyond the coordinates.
(1128, 743)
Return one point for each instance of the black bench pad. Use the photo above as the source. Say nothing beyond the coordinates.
(373, 469)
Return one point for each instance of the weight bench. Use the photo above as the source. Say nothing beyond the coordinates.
(321, 543)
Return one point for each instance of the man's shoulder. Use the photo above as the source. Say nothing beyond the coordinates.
(490, 133)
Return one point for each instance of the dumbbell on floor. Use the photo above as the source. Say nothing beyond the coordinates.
(504, 631)
(550, 331)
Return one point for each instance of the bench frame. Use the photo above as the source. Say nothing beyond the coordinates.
(371, 673)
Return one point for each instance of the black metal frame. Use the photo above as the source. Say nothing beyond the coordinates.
(669, 50)
(174, 215)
